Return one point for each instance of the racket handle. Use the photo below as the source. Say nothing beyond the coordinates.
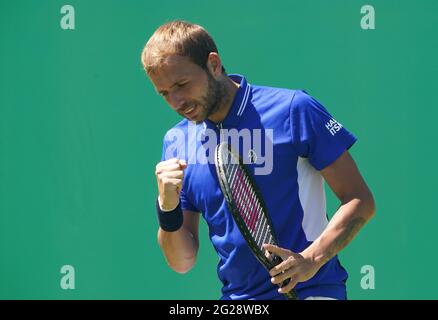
(291, 295)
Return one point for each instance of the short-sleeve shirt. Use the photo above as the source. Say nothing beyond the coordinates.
(285, 137)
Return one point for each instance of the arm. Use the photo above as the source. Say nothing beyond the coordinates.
(181, 247)
(357, 207)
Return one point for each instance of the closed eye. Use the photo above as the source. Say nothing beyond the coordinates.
(179, 85)
(162, 93)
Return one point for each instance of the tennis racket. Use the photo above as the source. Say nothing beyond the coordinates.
(246, 205)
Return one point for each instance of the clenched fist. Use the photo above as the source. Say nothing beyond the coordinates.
(170, 174)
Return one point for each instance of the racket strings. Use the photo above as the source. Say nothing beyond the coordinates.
(247, 202)
(247, 207)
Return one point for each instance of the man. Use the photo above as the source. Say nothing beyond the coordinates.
(305, 145)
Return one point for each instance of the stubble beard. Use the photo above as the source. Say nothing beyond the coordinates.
(214, 99)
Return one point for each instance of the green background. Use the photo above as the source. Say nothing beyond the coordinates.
(81, 131)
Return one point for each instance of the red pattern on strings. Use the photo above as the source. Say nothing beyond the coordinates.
(251, 214)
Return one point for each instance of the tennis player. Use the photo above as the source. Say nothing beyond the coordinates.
(293, 141)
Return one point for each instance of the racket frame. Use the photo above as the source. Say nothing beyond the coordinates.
(232, 207)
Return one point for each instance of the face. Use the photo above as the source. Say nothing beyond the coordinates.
(189, 90)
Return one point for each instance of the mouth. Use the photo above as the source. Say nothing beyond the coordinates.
(191, 111)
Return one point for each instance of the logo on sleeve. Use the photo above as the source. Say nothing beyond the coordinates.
(333, 126)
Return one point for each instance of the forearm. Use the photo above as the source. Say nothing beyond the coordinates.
(180, 248)
(345, 224)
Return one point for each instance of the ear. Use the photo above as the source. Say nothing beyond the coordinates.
(214, 64)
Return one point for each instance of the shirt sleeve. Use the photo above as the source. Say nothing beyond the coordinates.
(315, 133)
(170, 150)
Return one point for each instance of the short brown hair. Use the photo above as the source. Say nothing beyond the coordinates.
(178, 37)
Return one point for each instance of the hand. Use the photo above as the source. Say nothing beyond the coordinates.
(295, 266)
(170, 175)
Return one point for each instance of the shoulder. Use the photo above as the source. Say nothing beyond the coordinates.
(179, 130)
(305, 104)
(265, 93)
(293, 98)
(301, 101)
(182, 125)
(183, 133)
(274, 98)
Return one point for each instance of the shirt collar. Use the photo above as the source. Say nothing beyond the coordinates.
(238, 105)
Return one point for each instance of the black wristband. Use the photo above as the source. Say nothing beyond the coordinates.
(170, 221)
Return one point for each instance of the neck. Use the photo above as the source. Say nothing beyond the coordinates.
(231, 88)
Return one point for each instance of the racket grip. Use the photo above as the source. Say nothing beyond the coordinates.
(276, 261)
(291, 295)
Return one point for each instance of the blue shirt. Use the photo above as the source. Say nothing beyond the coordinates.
(286, 137)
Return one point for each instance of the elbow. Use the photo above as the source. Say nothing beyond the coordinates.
(369, 205)
(180, 254)
(183, 268)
